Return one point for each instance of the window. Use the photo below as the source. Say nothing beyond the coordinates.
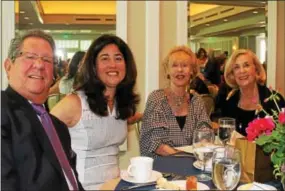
(84, 44)
(261, 47)
(66, 44)
(70, 54)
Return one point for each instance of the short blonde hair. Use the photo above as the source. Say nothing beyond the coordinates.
(187, 51)
(229, 76)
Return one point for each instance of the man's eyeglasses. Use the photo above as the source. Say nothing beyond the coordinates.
(29, 56)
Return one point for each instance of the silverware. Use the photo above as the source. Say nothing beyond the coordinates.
(138, 186)
(261, 186)
(183, 154)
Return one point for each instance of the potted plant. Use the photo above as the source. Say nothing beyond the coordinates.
(269, 133)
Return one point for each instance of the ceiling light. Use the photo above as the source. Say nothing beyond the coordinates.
(26, 18)
(255, 12)
(262, 25)
(31, 23)
(85, 31)
(207, 24)
(225, 20)
(263, 2)
(262, 22)
(47, 31)
(22, 12)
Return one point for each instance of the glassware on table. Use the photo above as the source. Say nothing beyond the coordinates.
(226, 127)
(203, 141)
(226, 167)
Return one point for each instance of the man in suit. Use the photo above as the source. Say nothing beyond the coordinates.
(212, 69)
(33, 156)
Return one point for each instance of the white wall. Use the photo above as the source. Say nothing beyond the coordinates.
(7, 33)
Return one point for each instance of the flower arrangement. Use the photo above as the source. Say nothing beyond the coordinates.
(269, 133)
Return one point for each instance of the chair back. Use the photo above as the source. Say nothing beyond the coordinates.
(138, 127)
(209, 102)
(53, 99)
(213, 89)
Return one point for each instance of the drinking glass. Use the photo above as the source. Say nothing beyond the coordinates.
(226, 127)
(226, 167)
(203, 141)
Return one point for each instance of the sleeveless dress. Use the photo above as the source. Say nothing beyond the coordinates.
(96, 142)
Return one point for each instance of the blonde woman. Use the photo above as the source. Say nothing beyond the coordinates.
(172, 114)
(246, 76)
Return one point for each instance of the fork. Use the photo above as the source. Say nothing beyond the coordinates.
(178, 177)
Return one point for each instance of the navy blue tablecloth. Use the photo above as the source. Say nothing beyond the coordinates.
(178, 165)
(181, 166)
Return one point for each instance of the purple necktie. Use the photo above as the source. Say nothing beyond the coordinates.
(56, 144)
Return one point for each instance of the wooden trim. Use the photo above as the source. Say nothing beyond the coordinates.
(79, 19)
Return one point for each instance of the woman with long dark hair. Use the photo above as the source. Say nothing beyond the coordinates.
(97, 112)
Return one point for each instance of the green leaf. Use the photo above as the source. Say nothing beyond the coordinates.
(263, 139)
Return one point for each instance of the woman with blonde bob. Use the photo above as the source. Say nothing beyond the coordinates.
(246, 76)
(172, 114)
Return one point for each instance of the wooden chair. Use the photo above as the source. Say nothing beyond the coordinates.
(138, 127)
(209, 102)
(213, 89)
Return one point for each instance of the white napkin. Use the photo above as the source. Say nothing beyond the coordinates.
(187, 149)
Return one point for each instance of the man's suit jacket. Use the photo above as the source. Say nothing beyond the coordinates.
(28, 161)
(212, 71)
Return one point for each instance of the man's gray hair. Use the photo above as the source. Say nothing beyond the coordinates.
(17, 42)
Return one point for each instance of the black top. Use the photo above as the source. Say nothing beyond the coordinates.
(181, 121)
(229, 108)
(199, 86)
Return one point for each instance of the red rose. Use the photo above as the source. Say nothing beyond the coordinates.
(281, 117)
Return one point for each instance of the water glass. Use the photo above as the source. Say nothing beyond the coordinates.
(226, 167)
(226, 127)
(203, 141)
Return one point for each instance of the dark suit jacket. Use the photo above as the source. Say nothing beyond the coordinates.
(28, 161)
(199, 86)
(212, 71)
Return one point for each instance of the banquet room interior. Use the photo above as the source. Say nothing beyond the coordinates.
(151, 28)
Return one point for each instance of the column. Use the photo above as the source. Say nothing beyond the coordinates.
(173, 27)
(280, 49)
(182, 22)
(276, 47)
(121, 19)
(152, 47)
(271, 42)
(7, 33)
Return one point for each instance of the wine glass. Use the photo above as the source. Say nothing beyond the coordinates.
(226, 167)
(203, 141)
(226, 127)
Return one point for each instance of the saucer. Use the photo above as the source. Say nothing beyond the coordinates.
(256, 186)
(154, 176)
(182, 185)
(197, 164)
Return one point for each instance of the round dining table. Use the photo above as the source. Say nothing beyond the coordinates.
(180, 166)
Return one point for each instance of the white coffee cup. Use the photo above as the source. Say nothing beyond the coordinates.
(140, 168)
